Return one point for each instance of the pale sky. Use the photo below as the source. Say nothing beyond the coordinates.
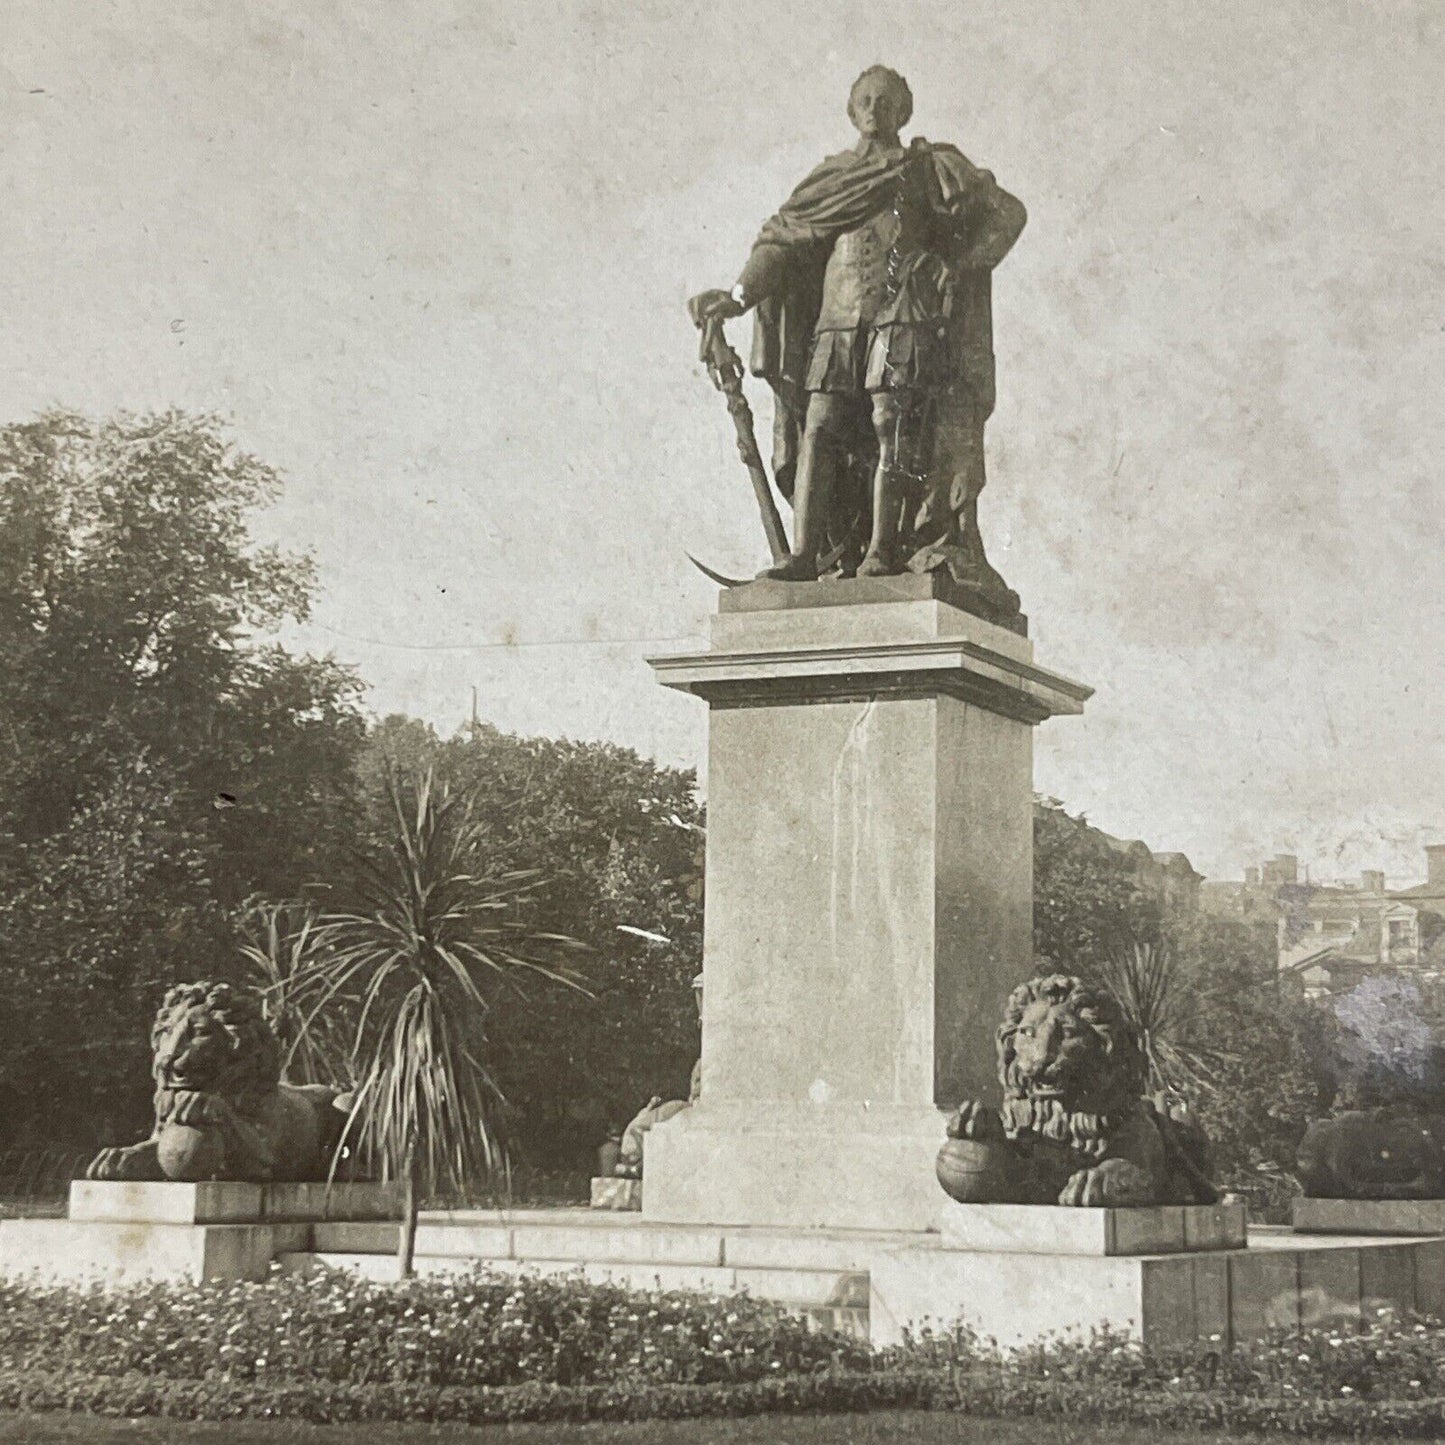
(431, 260)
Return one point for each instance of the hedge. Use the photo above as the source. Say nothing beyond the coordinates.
(986, 1395)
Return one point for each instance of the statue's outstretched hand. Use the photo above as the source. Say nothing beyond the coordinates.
(713, 306)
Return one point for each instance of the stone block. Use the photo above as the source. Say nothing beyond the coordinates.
(1167, 1314)
(1403, 1217)
(342, 1200)
(1387, 1278)
(355, 1237)
(1053, 1229)
(1155, 1230)
(825, 1166)
(225, 1202)
(835, 1288)
(1015, 1299)
(826, 1249)
(1027, 1228)
(118, 1251)
(1215, 1226)
(633, 1245)
(1430, 1277)
(132, 1202)
(1329, 1285)
(617, 1194)
(471, 1241)
(1210, 1274)
(1263, 1293)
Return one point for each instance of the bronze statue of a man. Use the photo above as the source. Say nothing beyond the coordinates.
(873, 327)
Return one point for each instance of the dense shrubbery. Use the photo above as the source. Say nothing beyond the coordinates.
(485, 1348)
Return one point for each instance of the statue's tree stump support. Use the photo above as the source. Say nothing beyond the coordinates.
(869, 895)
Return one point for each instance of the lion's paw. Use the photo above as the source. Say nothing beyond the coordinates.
(975, 1121)
(1114, 1184)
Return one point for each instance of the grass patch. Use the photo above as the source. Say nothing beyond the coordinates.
(881, 1428)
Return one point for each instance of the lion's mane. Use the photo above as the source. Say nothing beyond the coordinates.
(1117, 1082)
(226, 1045)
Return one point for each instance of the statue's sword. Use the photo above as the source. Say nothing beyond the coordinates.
(725, 368)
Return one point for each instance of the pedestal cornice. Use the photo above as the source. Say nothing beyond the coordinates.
(902, 649)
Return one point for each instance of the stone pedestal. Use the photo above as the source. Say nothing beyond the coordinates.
(869, 896)
(1402, 1217)
(121, 1232)
(1166, 1276)
(1054, 1229)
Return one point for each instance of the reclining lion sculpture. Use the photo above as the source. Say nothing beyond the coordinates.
(221, 1110)
(1074, 1127)
(1384, 1137)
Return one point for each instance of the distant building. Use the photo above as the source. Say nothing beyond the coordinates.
(1332, 936)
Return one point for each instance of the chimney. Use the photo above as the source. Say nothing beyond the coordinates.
(1435, 863)
(1251, 877)
(1282, 868)
(1372, 880)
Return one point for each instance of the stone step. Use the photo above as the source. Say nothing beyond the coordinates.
(586, 1238)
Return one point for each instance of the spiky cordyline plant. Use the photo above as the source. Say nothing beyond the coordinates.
(1156, 997)
(282, 950)
(434, 935)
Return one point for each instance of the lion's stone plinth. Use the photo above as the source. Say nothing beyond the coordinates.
(222, 1111)
(1074, 1128)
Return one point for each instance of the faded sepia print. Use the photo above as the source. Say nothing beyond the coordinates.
(721, 718)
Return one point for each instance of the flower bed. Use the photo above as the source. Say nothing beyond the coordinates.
(484, 1348)
(473, 1330)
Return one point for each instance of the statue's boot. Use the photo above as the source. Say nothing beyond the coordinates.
(878, 563)
(793, 568)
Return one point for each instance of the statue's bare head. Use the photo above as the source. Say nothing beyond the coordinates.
(880, 103)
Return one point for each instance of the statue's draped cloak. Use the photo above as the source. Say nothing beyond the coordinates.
(977, 223)
(791, 253)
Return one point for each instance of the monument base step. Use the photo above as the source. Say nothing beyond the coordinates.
(881, 1284)
(86, 1251)
(1369, 1216)
(120, 1231)
(1278, 1281)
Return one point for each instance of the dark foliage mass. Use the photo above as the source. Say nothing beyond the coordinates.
(162, 759)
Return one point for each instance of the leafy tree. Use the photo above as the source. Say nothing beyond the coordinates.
(617, 843)
(1088, 901)
(163, 757)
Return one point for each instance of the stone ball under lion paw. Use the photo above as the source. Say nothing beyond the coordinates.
(980, 1171)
